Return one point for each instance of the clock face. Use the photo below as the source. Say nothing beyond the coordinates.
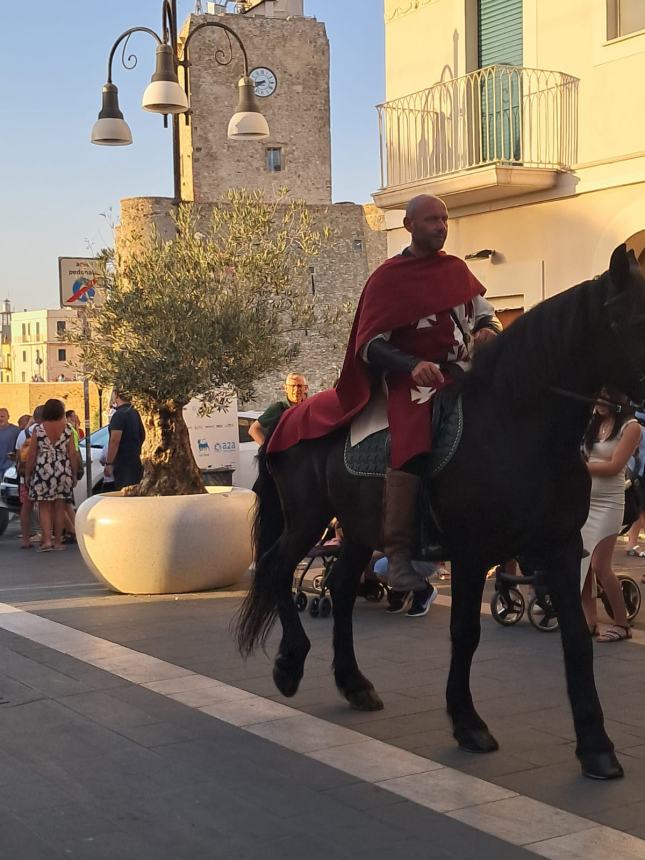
(265, 81)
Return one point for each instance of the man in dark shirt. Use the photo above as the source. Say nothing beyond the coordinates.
(296, 389)
(8, 435)
(126, 438)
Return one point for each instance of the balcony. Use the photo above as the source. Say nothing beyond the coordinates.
(30, 338)
(498, 132)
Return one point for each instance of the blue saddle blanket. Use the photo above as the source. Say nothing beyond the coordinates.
(370, 458)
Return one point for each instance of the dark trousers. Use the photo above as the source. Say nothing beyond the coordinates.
(126, 474)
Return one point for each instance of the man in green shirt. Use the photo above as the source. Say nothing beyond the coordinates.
(296, 389)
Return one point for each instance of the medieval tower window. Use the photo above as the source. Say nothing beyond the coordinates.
(274, 158)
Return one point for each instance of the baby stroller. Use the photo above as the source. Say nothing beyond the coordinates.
(508, 605)
(316, 596)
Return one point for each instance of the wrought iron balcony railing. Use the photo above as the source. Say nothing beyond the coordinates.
(500, 114)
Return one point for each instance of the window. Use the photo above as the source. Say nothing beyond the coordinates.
(24, 330)
(60, 326)
(274, 158)
(37, 329)
(357, 244)
(24, 355)
(23, 376)
(624, 17)
(62, 355)
(29, 329)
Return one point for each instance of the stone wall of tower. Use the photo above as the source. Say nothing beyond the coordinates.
(297, 51)
(357, 247)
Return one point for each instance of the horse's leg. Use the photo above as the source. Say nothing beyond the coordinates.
(469, 730)
(288, 667)
(351, 682)
(594, 749)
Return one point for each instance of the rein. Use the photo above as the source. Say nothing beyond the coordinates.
(617, 407)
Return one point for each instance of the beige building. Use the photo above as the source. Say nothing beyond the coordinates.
(524, 117)
(39, 351)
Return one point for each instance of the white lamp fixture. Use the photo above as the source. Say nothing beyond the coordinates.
(247, 123)
(163, 94)
(111, 129)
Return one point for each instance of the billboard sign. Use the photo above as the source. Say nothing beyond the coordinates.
(78, 277)
(214, 438)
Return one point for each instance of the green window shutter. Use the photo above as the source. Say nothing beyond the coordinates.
(500, 32)
(500, 43)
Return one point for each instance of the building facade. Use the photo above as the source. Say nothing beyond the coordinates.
(39, 351)
(522, 116)
(5, 342)
(289, 61)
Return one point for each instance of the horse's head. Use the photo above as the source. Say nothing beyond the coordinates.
(625, 310)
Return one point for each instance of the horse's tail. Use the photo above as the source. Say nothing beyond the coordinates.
(258, 612)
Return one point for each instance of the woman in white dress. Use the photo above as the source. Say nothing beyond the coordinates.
(609, 442)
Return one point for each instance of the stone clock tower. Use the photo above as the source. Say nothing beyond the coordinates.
(289, 61)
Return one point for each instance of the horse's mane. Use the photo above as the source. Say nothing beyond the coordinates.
(535, 350)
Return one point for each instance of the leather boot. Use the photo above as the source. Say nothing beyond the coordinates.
(399, 529)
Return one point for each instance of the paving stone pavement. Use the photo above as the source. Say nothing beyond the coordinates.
(94, 765)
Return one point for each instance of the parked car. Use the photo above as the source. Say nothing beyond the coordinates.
(247, 471)
(9, 487)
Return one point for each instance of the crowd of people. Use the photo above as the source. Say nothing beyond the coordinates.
(46, 449)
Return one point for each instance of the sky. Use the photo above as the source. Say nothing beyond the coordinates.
(61, 193)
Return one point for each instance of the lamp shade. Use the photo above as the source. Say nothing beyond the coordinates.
(111, 132)
(111, 129)
(163, 94)
(247, 123)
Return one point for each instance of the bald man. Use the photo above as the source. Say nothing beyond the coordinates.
(410, 358)
(296, 389)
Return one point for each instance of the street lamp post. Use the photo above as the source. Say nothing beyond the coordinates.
(165, 95)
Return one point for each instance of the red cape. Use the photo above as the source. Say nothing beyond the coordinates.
(403, 290)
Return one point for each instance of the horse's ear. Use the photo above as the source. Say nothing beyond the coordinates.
(619, 266)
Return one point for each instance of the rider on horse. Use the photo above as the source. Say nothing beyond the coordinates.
(420, 311)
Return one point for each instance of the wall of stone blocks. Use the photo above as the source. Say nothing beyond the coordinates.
(297, 51)
(357, 247)
(21, 398)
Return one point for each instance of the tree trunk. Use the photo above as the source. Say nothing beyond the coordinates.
(169, 468)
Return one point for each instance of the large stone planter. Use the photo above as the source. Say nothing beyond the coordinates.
(167, 544)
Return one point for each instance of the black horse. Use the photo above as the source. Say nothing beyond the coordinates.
(516, 486)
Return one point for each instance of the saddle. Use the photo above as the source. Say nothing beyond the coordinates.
(370, 457)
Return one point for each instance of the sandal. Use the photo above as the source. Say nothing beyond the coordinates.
(615, 633)
(635, 552)
(47, 547)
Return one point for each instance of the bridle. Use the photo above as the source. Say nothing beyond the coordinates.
(612, 404)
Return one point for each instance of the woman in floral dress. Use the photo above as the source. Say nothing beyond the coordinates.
(50, 473)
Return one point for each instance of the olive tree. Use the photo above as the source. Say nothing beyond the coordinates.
(205, 313)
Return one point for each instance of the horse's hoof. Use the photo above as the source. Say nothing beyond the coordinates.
(286, 682)
(476, 740)
(365, 700)
(601, 766)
